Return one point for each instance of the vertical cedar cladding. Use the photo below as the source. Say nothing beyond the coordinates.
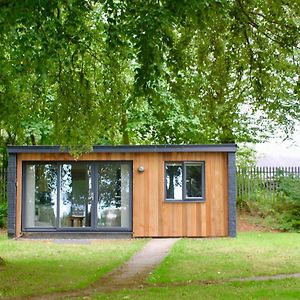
(152, 215)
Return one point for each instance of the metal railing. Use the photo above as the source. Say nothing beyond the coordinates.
(261, 183)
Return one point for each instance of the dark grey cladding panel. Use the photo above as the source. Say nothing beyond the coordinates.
(11, 194)
(132, 148)
(36, 149)
(231, 195)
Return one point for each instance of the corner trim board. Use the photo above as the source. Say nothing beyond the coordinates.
(231, 195)
(11, 194)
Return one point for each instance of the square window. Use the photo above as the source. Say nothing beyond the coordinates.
(184, 181)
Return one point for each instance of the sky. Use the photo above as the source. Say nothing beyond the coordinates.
(277, 153)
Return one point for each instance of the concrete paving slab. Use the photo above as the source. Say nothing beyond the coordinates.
(137, 269)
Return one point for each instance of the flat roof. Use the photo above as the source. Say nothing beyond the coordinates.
(128, 148)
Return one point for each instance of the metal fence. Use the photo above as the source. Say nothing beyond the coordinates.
(3, 184)
(261, 183)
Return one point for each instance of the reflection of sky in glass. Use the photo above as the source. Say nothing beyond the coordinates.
(113, 194)
(174, 181)
(67, 190)
(109, 186)
(75, 194)
(50, 176)
(41, 195)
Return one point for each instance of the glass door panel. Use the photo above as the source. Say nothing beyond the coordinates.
(41, 195)
(113, 207)
(75, 195)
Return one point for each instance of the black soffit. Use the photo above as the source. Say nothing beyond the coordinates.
(128, 148)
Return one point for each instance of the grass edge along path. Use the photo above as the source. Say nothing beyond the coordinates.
(131, 291)
(278, 289)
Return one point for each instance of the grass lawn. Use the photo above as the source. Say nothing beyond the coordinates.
(279, 289)
(40, 267)
(247, 255)
(35, 268)
(250, 254)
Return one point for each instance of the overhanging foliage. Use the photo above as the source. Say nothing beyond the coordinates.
(93, 72)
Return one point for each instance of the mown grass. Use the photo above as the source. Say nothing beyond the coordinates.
(35, 268)
(41, 267)
(213, 260)
(250, 254)
(276, 289)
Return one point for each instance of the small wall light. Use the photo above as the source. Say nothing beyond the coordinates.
(141, 169)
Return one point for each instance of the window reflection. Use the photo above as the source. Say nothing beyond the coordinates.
(75, 195)
(41, 195)
(174, 181)
(113, 191)
(194, 180)
(184, 181)
(60, 195)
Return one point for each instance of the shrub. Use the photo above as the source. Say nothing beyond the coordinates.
(280, 209)
(288, 211)
(3, 214)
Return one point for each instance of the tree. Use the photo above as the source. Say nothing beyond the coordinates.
(246, 156)
(83, 72)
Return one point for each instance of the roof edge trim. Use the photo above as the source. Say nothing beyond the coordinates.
(128, 148)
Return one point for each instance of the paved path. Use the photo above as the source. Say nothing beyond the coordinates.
(267, 277)
(137, 269)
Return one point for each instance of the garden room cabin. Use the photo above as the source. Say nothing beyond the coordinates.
(135, 191)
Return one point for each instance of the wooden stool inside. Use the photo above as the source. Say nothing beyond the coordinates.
(76, 221)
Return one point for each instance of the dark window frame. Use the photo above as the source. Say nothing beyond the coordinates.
(184, 198)
(92, 228)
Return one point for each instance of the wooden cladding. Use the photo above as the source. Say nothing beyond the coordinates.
(152, 215)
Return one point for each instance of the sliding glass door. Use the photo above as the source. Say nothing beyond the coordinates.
(77, 196)
(113, 207)
(41, 196)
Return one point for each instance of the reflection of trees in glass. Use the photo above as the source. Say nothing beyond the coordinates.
(76, 187)
(45, 193)
(45, 184)
(110, 186)
(193, 181)
(66, 184)
(173, 179)
(113, 191)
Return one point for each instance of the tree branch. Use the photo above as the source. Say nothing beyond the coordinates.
(257, 27)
